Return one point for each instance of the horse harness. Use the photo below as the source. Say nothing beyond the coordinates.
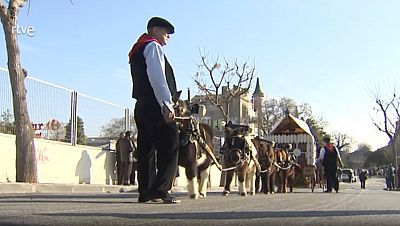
(280, 165)
(238, 143)
(191, 134)
(288, 164)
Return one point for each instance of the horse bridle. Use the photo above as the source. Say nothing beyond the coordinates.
(195, 136)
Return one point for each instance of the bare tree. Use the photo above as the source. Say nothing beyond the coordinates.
(389, 111)
(117, 126)
(236, 77)
(274, 110)
(343, 140)
(26, 170)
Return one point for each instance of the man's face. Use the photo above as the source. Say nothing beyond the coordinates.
(161, 34)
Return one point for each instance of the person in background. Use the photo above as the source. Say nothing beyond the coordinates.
(133, 161)
(126, 148)
(330, 157)
(363, 175)
(389, 176)
(398, 176)
(118, 158)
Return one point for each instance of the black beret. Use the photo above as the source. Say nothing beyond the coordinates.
(160, 22)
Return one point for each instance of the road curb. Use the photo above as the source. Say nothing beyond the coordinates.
(62, 188)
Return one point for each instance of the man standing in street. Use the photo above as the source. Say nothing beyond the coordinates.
(363, 175)
(125, 149)
(329, 156)
(154, 89)
(118, 158)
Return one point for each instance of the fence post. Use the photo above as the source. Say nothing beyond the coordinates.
(127, 120)
(74, 118)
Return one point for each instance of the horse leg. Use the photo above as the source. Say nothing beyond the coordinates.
(272, 183)
(204, 174)
(241, 178)
(192, 185)
(264, 182)
(191, 172)
(291, 183)
(228, 181)
(279, 181)
(250, 179)
(284, 182)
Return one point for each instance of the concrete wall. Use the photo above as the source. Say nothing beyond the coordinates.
(59, 162)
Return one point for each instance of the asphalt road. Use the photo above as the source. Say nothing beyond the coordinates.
(351, 206)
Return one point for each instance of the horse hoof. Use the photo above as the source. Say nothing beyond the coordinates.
(194, 197)
(243, 194)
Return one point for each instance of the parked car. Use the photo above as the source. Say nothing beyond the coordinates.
(348, 175)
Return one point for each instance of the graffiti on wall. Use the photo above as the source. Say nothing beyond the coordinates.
(41, 156)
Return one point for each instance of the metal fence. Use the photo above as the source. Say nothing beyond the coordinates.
(61, 114)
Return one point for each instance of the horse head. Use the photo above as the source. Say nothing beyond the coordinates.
(266, 153)
(235, 143)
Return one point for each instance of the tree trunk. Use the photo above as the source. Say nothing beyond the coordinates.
(26, 170)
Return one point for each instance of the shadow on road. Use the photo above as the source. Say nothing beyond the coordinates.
(232, 215)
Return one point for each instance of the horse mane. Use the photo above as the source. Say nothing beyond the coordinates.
(207, 129)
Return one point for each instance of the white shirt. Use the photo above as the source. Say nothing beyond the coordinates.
(155, 61)
(322, 154)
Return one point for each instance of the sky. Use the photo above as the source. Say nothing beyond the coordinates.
(330, 54)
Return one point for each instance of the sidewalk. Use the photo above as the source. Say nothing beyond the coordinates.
(14, 187)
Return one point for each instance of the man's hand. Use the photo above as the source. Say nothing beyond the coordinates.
(169, 116)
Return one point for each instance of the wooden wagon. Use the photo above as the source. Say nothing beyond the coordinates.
(291, 130)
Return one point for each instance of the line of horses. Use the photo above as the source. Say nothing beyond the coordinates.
(255, 161)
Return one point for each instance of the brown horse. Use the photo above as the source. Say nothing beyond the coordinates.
(192, 156)
(240, 156)
(287, 168)
(266, 158)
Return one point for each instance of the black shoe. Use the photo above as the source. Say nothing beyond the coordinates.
(328, 191)
(143, 199)
(170, 200)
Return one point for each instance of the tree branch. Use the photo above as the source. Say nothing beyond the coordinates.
(3, 11)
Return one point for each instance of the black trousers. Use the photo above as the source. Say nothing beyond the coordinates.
(157, 150)
(331, 178)
(362, 184)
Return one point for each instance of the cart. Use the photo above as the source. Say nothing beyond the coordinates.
(309, 173)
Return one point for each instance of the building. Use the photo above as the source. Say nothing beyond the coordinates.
(238, 109)
(258, 99)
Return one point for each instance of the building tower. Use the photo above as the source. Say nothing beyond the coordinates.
(258, 99)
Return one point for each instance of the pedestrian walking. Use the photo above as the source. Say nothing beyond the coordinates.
(362, 176)
(330, 157)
